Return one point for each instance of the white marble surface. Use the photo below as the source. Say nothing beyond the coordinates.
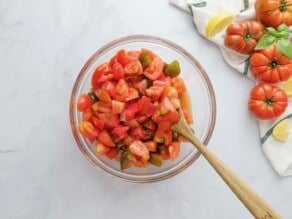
(43, 45)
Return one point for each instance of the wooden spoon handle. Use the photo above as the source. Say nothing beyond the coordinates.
(258, 207)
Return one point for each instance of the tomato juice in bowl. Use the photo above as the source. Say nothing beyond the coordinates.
(200, 91)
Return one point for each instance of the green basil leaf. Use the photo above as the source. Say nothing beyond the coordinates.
(282, 27)
(283, 34)
(285, 47)
(265, 41)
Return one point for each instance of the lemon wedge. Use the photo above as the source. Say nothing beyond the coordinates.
(288, 87)
(280, 131)
(218, 22)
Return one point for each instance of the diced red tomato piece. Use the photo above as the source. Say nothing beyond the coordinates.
(133, 54)
(173, 150)
(84, 102)
(178, 84)
(111, 120)
(129, 113)
(112, 153)
(118, 106)
(103, 95)
(163, 136)
(98, 72)
(112, 61)
(98, 123)
(139, 149)
(118, 71)
(172, 117)
(105, 138)
(110, 87)
(101, 149)
(170, 92)
(133, 94)
(140, 118)
(122, 90)
(151, 146)
(164, 125)
(86, 115)
(101, 107)
(87, 130)
(120, 131)
(166, 106)
(163, 151)
(146, 107)
(154, 92)
(137, 133)
(154, 69)
(133, 68)
(122, 57)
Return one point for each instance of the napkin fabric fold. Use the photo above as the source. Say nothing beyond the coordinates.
(278, 153)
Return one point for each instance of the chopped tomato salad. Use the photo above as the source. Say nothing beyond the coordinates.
(132, 104)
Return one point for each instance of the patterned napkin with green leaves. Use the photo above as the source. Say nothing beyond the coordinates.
(211, 18)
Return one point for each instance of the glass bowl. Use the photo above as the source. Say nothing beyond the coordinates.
(201, 95)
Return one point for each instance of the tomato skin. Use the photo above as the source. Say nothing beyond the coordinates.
(118, 71)
(242, 37)
(88, 130)
(97, 75)
(84, 103)
(267, 101)
(122, 57)
(272, 13)
(155, 69)
(269, 65)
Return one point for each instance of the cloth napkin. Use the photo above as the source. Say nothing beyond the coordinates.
(278, 153)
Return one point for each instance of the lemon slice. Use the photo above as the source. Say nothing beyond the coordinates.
(280, 131)
(288, 87)
(218, 22)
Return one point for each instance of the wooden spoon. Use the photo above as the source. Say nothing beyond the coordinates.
(258, 207)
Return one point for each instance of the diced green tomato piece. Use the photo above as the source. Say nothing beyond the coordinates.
(93, 97)
(101, 149)
(133, 68)
(156, 159)
(173, 150)
(145, 60)
(118, 106)
(103, 95)
(148, 52)
(139, 149)
(172, 70)
(175, 136)
(105, 138)
(112, 153)
(151, 145)
(126, 159)
(84, 102)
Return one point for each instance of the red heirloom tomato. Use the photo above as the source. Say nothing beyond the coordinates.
(242, 37)
(267, 101)
(272, 13)
(269, 65)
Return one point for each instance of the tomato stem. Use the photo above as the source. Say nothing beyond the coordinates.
(247, 36)
(273, 63)
(269, 101)
(283, 6)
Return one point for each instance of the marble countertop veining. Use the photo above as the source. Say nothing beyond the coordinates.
(43, 45)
